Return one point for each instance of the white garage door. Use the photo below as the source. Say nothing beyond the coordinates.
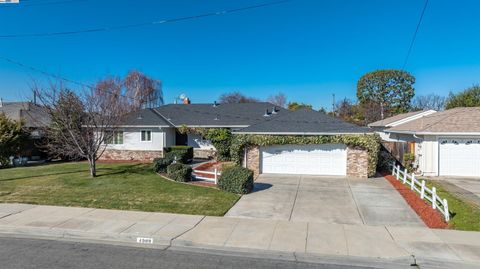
(324, 159)
(459, 157)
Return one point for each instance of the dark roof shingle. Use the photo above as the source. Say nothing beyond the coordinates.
(304, 121)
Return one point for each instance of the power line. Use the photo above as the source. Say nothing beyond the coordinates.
(41, 3)
(415, 35)
(143, 24)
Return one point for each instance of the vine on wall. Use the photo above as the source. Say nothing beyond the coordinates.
(221, 139)
(368, 142)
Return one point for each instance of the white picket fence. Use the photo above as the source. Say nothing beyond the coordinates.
(419, 186)
(215, 174)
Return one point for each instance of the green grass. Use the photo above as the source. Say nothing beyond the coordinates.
(463, 215)
(118, 186)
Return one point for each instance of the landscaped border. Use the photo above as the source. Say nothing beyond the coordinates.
(369, 142)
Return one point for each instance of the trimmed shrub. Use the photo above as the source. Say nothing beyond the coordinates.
(236, 179)
(179, 172)
(184, 154)
(160, 164)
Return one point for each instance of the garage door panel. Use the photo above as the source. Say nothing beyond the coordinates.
(325, 159)
(459, 157)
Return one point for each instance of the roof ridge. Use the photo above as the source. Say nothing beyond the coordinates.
(154, 110)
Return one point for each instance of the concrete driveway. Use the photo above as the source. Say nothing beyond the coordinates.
(468, 189)
(324, 199)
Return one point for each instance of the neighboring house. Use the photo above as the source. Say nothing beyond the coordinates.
(148, 131)
(447, 143)
(398, 149)
(381, 125)
(34, 117)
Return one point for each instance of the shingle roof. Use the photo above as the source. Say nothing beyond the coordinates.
(389, 120)
(33, 115)
(145, 117)
(225, 115)
(304, 121)
(456, 120)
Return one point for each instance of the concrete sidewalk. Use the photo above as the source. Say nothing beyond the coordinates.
(248, 235)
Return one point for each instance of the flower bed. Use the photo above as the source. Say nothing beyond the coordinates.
(431, 217)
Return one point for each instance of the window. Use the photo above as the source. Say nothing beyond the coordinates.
(146, 135)
(115, 138)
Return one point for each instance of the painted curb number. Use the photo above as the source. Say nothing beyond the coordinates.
(144, 240)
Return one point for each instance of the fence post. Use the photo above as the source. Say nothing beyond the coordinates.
(393, 168)
(215, 173)
(398, 172)
(422, 191)
(405, 174)
(445, 208)
(434, 198)
(412, 184)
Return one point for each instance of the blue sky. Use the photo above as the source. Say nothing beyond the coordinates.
(307, 49)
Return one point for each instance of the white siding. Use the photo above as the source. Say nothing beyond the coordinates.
(428, 156)
(169, 137)
(132, 139)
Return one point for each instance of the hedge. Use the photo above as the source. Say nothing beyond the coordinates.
(179, 172)
(236, 179)
(183, 154)
(369, 142)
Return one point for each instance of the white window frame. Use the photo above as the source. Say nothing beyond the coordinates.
(141, 136)
(115, 137)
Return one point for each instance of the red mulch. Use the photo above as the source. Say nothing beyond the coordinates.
(431, 217)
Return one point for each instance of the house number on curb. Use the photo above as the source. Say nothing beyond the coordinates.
(144, 240)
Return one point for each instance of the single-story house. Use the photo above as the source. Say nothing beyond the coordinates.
(146, 132)
(447, 143)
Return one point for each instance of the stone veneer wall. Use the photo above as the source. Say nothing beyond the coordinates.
(357, 162)
(130, 155)
(253, 160)
(203, 153)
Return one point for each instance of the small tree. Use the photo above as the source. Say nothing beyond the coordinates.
(279, 99)
(236, 97)
(467, 98)
(81, 125)
(391, 89)
(12, 138)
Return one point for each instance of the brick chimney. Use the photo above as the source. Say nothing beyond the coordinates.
(186, 101)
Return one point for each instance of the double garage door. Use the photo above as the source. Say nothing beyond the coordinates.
(459, 157)
(324, 159)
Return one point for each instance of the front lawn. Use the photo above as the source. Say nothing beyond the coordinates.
(464, 216)
(118, 186)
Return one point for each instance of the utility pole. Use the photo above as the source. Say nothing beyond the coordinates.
(333, 104)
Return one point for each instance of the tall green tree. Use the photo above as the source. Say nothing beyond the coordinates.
(12, 137)
(391, 89)
(468, 98)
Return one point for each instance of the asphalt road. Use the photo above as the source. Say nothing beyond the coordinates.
(33, 253)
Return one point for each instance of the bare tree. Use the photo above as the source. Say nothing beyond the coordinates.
(143, 91)
(279, 99)
(236, 97)
(81, 124)
(431, 101)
